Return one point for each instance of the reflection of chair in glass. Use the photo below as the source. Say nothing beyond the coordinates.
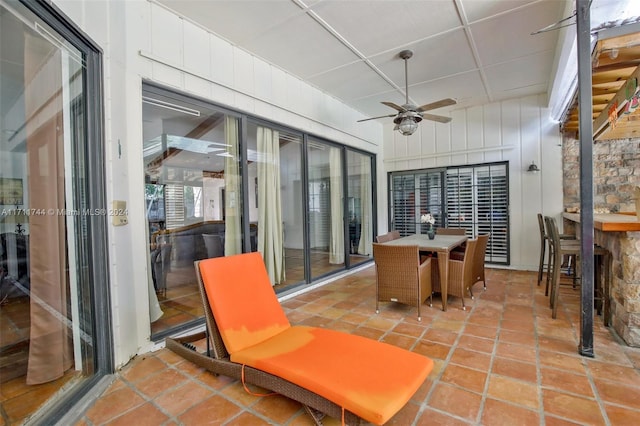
(14, 264)
(400, 277)
(253, 236)
(160, 265)
(214, 245)
(461, 276)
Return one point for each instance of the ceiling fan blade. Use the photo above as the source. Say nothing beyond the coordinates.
(394, 106)
(438, 118)
(437, 104)
(374, 118)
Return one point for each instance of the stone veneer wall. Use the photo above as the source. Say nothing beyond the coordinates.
(624, 291)
(616, 171)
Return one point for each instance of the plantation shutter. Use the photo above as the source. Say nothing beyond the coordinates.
(476, 198)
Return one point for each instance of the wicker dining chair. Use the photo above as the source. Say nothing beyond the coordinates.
(461, 276)
(400, 277)
(478, 261)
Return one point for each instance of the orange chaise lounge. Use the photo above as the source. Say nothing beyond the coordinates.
(343, 375)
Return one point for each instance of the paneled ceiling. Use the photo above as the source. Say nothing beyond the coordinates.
(476, 51)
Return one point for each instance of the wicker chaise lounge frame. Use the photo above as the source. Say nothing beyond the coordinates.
(217, 361)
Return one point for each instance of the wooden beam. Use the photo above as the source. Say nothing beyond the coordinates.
(602, 122)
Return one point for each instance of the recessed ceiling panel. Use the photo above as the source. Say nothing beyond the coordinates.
(302, 47)
(377, 26)
(353, 81)
(509, 36)
(526, 72)
(481, 9)
(236, 21)
(432, 58)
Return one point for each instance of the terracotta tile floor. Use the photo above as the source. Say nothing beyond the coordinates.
(503, 361)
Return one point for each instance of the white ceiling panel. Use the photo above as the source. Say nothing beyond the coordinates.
(508, 36)
(352, 81)
(378, 26)
(236, 21)
(434, 58)
(521, 73)
(302, 47)
(476, 10)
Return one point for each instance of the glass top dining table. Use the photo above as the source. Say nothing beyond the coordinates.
(442, 245)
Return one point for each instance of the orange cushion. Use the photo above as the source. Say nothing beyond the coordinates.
(243, 302)
(371, 379)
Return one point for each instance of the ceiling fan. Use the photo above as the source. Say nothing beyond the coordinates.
(409, 115)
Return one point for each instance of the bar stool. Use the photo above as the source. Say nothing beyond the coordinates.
(560, 248)
(544, 243)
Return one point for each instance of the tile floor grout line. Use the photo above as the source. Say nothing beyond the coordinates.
(541, 410)
(485, 390)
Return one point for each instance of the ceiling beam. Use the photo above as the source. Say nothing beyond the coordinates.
(602, 122)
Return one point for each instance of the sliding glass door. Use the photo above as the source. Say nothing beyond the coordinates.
(360, 206)
(275, 208)
(326, 208)
(193, 190)
(53, 274)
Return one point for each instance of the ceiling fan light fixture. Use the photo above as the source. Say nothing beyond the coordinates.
(407, 126)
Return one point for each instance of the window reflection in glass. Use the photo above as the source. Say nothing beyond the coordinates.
(326, 208)
(46, 309)
(192, 191)
(360, 207)
(275, 202)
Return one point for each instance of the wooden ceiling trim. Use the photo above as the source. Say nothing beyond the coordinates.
(601, 123)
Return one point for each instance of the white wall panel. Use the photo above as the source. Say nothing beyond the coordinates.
(222, 64)
(196, 41)
(166, 35)
(243, 72)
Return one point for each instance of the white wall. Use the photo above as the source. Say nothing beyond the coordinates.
(143, 41)
(518, 131)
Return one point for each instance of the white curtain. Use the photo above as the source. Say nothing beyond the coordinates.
(366, 233)
(232, 221)
(336, 244)
(270, 237)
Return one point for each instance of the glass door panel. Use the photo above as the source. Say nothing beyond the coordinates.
(326, 208)
(274, 166)
(47, 317)
(360, 207)
(193, 198)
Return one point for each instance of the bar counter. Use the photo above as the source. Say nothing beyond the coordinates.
(611, 222)
(620, 234)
